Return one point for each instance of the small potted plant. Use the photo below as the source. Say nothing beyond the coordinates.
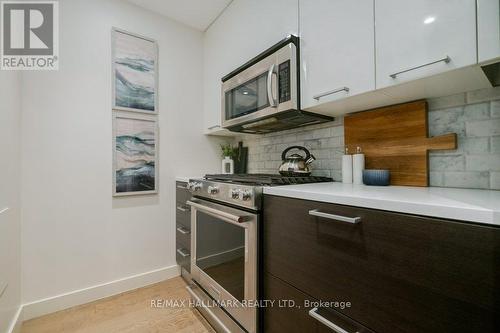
(228, 152)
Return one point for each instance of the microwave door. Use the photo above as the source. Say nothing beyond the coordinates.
(247, 96)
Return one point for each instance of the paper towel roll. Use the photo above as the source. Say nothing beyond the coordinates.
(358, 165)
(347, 169)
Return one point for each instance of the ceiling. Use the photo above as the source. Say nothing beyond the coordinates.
(198, 14)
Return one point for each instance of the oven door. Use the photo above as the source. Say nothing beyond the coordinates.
(224, 257)
(263, 89)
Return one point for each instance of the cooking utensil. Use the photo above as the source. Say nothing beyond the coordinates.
(295, 164)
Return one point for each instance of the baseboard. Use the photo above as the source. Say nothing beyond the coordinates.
(17, 321)
(90, 294)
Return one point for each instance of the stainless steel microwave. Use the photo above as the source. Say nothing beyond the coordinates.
(263, 95)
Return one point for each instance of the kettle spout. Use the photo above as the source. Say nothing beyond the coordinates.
(310, 159)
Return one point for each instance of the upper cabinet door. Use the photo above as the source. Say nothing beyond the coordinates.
(488, 29)
(337, 49)
(242, 31)
(415, 39)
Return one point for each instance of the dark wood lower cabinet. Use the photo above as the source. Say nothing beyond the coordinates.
(400, 273)
(281, 316)
(183, 227)
(290, 311)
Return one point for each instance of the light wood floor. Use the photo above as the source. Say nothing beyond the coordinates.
(130, 312)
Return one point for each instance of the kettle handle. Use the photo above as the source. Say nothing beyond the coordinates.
(283, 155)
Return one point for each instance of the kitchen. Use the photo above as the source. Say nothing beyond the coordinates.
(116, 201)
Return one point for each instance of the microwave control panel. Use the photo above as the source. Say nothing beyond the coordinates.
(284, 81)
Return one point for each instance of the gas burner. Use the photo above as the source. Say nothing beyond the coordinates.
(265, 179)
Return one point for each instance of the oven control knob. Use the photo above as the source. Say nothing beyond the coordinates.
(194, 187)
(213, 190)
(245, 195)
(235, 193)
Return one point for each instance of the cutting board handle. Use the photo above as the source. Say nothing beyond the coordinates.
(443, 142)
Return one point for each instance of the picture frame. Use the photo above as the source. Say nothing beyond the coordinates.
(134, 72)
(135, 154)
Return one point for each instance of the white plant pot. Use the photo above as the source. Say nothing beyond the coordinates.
(227, 165)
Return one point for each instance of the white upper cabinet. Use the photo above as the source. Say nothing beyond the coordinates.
(337, 49)
(419, 38)
(245, 29)
(488, 29)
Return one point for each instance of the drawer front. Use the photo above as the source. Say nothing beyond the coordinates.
(181, 192)
(183, 236)
(282, 316)
(401, 273)
(183, 214)
(182, 210)
(183, 258)
(285, 316)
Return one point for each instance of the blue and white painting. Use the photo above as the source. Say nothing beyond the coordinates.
(135, 155)
(135, 73)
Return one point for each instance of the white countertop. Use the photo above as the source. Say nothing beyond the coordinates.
(458, 204)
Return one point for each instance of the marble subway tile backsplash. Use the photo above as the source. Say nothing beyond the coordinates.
(324, 141)
(474, 116)
(476, 162)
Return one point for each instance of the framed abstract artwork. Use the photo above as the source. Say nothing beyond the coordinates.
(135, 72)
(135, 155)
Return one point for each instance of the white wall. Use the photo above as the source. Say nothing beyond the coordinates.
(10, 220)
(75, 235)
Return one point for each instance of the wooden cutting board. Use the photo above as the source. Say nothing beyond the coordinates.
(396, 138)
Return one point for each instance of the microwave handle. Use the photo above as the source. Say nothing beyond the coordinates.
(272, 101)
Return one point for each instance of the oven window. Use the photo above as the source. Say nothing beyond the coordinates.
(249, 97)
(220, 253)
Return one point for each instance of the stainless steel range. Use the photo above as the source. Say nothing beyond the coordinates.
(225, 256)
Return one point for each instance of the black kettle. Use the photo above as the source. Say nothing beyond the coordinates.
(296, 165)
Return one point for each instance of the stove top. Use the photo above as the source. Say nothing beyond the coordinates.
(243, 190)
(262, 179)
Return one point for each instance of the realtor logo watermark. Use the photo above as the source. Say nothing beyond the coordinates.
(29, 35)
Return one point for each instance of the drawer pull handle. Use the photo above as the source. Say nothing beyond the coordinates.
(446, 60)
(353, 220)
(314, 313)
(183, 253)
(317, 97)
(183, 230)
(182, 209)
(182, 187)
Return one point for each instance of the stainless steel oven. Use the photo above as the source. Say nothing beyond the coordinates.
(226, 254)
(263, 95)
(224, 260)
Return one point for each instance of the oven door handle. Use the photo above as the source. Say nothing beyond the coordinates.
(219, 213)
(272, 101)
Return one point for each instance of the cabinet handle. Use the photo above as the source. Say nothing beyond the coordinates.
(183, 230)
(314, 313)
(183, 253)
(182, 187)
(446, 60)
(213, 127)
(353, 220)
(182, 209)
(317, 97)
